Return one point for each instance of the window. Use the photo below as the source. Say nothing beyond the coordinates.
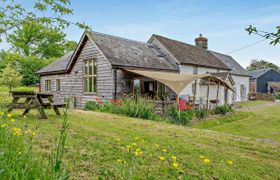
(89, 76)
(194, 69)
(48, 85)
(243, 91)
(58, 85)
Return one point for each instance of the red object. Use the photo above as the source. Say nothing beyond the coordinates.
(182, 105)
(100, 102)
(97, 99)
(111, 101)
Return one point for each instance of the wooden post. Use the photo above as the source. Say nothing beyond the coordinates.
(207, 99)
(177, 101)
(194, 93)
(217, 97)
(115, 84)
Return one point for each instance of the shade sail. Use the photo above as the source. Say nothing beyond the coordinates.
(177, 82)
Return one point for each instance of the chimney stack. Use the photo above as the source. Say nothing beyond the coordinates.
(201, 41)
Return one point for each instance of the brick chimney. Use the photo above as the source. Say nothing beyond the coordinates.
(201, 41)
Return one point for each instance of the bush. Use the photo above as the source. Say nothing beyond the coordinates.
(224, 109)
(129, 107)
(182, 117)
(200, 114)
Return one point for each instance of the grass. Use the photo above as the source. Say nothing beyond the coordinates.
(263, 123)
(5, 89)
(251, 103)
(97, 146)
(93, 150)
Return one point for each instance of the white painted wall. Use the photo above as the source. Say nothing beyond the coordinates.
(241, 80)
(201, 90)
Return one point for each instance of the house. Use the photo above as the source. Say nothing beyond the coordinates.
(99, 68)
(197, 60)
(264, 81)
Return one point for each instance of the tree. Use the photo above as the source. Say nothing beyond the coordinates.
(34, 39)
(261, 64)
(10, 77)
(274, 37)
(13, 14)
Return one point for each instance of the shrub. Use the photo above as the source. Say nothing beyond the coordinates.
(182, 117)
(201, 113)
(224, 109)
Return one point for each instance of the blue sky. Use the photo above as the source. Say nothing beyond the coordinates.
(222, 22)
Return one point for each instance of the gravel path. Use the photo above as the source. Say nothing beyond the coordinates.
(253, 108)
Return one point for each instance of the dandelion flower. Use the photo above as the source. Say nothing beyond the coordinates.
(138, 153)
(4, 125)
(164, 150)
(175, 165)
(13, 120)
(174, 158)
(16, 131)
(201, 157)
(230, 162)
(161, 158)
(119, 160)
(9, 115)
(33, 133)
(1, 113)
(118, 139)
(206, 161)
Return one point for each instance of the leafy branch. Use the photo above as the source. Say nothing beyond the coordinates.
(273, 36)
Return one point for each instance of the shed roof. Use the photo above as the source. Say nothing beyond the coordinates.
(59, 65)
(257, 73)
(129, 53)
(235, 67)
(190, 54)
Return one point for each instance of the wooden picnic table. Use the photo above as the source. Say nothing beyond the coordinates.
(34, 100)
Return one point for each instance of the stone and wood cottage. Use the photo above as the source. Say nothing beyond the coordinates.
(98, 68)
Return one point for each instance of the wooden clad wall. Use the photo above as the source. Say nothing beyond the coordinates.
(72, 83)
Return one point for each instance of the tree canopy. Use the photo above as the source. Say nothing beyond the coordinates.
(262, 64)
(10, 77)
(34, 39)
(14, 14)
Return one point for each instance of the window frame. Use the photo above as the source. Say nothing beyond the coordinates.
(58, 85)
(86, 76)
(48, 85)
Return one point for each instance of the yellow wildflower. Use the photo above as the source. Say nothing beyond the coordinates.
(174, 158)
(33, 133)
(128, 148)
(118, 139)
(175, 165)
(201, 157)
(134, 144)
(1, 113)
(138, 153)
(9, 115)
(156, 145)
(161, 158)
(24, 117)
(206, 161)
(230, 162)
(4, 125)
(119, 160)
(136, 138)
(13, 120)
(16, 131)
(19, 153)
(164, 150)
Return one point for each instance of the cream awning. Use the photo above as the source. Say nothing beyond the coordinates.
(177, 82)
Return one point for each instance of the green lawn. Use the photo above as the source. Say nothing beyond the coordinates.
(93, 149)
(263, 123)
(251, 103)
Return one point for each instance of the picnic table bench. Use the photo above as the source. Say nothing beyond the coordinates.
(34, 100)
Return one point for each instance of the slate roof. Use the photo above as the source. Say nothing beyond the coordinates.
(190, 54)
(129, 53)
(59, 65)
(235, 67)
(257, 73)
